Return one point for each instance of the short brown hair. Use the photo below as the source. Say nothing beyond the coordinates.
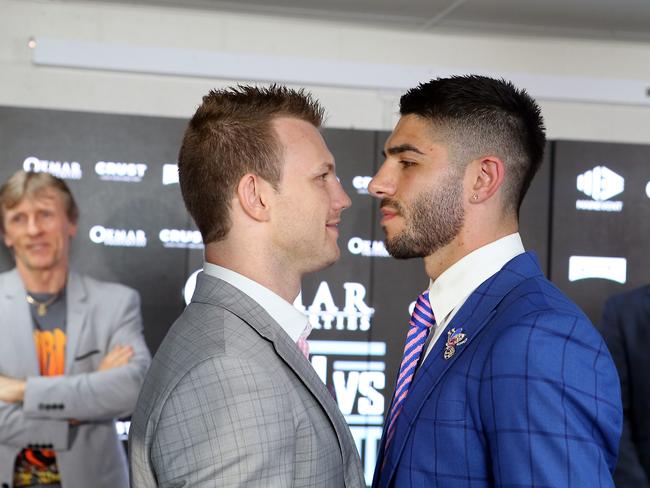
(23, 183)
(231, 135)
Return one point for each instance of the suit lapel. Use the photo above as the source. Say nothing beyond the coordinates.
(22, 326)
(476, 312)
(75, 317)
(218, 292)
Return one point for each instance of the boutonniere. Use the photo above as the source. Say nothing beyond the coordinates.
(454, 338)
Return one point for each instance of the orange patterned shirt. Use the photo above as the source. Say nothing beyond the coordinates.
(38, 466)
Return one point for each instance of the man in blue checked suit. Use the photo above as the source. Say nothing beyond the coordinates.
(504, 382)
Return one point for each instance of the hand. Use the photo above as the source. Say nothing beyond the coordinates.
(12, 390)
(117, 357)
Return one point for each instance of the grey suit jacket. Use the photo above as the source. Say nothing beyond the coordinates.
(231, 401)
(99, 316)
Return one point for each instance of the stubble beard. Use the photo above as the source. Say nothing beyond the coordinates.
(433, 220)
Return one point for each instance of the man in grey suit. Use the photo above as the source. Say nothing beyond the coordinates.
(72, 357)
(231, 399)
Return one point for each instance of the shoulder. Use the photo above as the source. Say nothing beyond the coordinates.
(10, 279)
(626, 314)
(103, 289)
(629, 298)
(537, 322)
(5, 274)
(207, 336)
(201, 357)
(541, 338)
(538, 295)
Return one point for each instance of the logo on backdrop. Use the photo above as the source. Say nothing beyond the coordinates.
(355, 369)
(190, 285)
(597, 267)
(118, 237)
(122, 427)
(61, 169)
(360, 183)
(601, 184)
(647, 189)
(324, 314)
(112, 171)
(362, 247)
(180, 238)
(169, 174)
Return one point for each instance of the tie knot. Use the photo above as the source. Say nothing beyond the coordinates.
(422, 313)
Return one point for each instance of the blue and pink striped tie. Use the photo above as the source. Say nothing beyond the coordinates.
(420, 324)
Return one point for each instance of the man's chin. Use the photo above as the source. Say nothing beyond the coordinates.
(39, 264)
(399, 249)
(325, 261)
(336, 255)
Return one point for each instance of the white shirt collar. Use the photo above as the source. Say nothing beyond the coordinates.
(292, 321)
(455, 284)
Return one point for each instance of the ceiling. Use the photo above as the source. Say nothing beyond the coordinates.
(594, 19)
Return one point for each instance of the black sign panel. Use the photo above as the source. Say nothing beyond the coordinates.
(600, 220)
(114, 167)
(134, 230)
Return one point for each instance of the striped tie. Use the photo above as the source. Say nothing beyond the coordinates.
(420, 324)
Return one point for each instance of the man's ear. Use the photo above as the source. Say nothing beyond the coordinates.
(72, 229)
(253, 195)
(487, 175)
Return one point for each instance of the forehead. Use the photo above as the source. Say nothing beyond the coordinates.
(412, 127)
(415, 134)
(43, 198)
(302, 141)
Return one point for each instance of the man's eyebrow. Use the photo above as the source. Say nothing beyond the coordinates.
(326, 166)
(400, 149)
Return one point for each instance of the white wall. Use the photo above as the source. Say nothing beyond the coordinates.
(24, 84)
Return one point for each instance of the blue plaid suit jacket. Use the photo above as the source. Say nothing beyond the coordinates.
(532, 399)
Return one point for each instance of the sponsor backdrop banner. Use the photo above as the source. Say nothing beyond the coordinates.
(134, 230)
(600, 221)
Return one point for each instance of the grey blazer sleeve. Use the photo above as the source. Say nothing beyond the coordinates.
(225, 424)
(19, 431)
(99, 395)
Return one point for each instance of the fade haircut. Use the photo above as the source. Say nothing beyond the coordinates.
(27, 184)
(480, 116)
(231, 134)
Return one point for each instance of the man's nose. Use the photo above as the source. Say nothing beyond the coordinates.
(382, 184)
(342, 199)
(33, 226)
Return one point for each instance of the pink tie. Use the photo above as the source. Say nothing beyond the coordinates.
(422, 320)
(302, 343)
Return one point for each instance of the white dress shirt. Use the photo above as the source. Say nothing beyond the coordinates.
(292, 320)
(452, 288)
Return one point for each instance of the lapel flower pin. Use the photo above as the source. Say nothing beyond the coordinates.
(454, 338)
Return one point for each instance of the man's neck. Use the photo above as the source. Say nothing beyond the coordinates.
(43, 281)
(466, 242)
(257, 267)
